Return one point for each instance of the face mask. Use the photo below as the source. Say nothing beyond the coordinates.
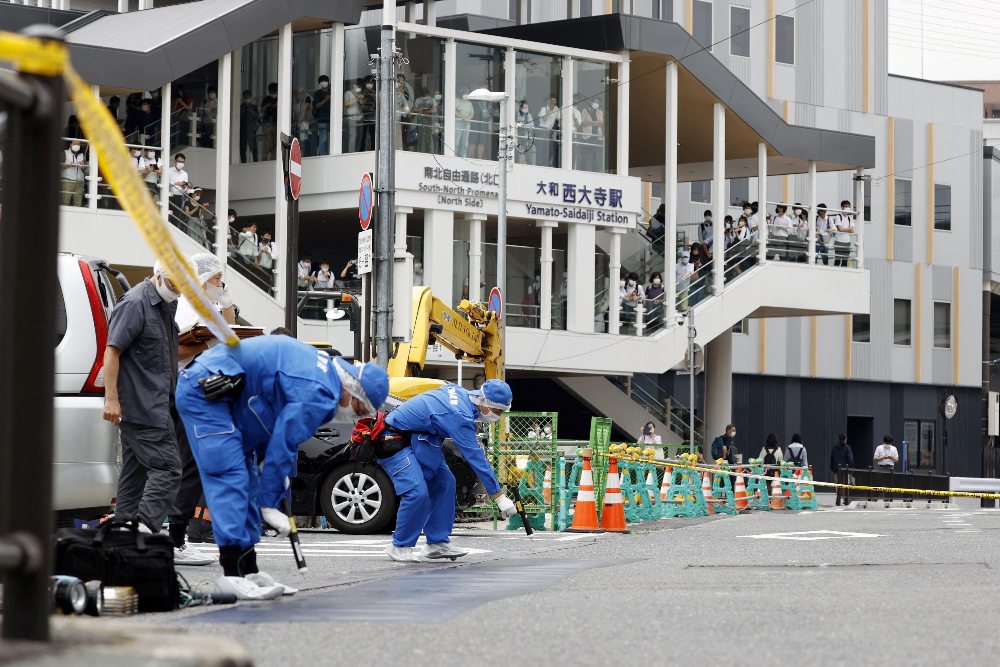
(746, 211)
(369, 86)
(136, 153)
(324, 85)
(489, 418)
(524, 109)
(656, 281)
(232, 219)
(437, 97)
(324, 268)
(197, 197)
(214, 292)
(356, 89)
(595, 105)
(179, 165)
(165, 293)
(631, 283)
(304, 264)
(149, 155)
(733, 434)
(75, 149)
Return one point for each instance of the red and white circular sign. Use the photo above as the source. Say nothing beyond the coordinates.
(295, 169)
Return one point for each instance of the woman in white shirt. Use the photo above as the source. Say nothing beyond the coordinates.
(324, 276)
(649, 436)
(781, 226)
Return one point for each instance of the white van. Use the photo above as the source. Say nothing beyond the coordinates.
(86, 452)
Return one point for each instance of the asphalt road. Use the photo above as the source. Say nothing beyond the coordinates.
(838, 586)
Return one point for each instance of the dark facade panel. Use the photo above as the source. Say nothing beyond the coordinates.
(15, 18)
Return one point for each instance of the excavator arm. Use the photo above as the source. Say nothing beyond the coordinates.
(471, 333)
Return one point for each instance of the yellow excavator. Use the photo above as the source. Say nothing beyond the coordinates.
(471, 332)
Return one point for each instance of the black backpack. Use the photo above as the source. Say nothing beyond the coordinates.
(797, 460)
(769, 458)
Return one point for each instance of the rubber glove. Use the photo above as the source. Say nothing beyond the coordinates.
(506, 506)
(279, 521)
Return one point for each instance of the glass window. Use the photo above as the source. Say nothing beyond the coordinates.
(861, 329)
(258, 123)
(739, 30)
(901, 323)
(904, 209)
(663, 10)
(701, 192)
(701, 23)
(359, 84)
(927, 459)
(538, 89)
(911, 436)
(784, 39)
(942, 324)
(477, 66)
(419, 95)
(942, 207)
(742, 327)
(591, 116)
(311, 91)
(739, 191)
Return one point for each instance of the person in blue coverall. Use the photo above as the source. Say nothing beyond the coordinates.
(420, 475)
(275, 392)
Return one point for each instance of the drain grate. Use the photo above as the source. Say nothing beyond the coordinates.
(429, 596)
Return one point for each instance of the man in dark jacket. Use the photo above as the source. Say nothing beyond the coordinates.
(841, 456)
(724, 446)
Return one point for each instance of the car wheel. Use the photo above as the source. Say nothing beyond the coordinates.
(358, 499)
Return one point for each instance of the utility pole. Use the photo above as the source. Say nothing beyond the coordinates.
(692, 332)
(385, 185)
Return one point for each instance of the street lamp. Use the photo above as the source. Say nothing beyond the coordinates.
(501, 98)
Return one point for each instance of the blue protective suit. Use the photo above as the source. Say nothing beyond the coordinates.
(290, 390)
(420, 475)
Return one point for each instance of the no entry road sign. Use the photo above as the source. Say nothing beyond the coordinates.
(366, 201)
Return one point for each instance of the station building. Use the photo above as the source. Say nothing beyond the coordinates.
(619, 107)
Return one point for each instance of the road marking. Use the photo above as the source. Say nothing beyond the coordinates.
(570, 538)
(810, 535)
(975, 530)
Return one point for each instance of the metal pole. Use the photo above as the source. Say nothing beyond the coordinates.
(291, 242)
(385, 186)
(502, 230)
(27, 341)
(691, 334)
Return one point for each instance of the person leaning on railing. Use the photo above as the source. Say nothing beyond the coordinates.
(844, 224)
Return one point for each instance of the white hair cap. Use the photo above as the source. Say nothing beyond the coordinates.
(206, 266)
(160, 270)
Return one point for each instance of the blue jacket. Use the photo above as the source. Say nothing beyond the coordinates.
(290, 390)
(446, 412)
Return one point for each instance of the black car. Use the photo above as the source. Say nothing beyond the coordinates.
(358, 498)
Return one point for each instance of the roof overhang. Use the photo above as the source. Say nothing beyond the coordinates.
(145, 49)
(703, 80)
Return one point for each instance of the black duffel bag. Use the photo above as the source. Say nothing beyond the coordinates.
(117, 554)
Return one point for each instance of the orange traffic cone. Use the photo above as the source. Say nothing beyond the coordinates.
(585, 514)
(777, 499)
(613, 516)
(547, 487)
(706, 491)
(741, 493)
(665, 485)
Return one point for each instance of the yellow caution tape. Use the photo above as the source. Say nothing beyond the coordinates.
(105, 135)
(31, 55)
(835, 485)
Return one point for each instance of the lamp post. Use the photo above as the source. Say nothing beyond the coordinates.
(484, 95)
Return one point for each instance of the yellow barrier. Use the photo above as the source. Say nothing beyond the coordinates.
(51, 58)
(880, 489)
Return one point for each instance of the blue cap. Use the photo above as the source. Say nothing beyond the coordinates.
(372, 380)
(496, 392)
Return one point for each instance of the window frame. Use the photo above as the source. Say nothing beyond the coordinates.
(941, 187)
(909, 323)
(934, 332)
(778, 20)
(896, 204)
(738, 202)
(744, 34)
(711, 21)
(698, 201)
(854, 319)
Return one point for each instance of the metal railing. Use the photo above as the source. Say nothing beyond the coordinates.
(654, 400)
(244, 256)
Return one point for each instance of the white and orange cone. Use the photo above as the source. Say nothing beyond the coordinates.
(706, 491)
(547, 487)
(665, 485)
(613, 516)
(741, 493)
(585, 513)
(777, 498)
